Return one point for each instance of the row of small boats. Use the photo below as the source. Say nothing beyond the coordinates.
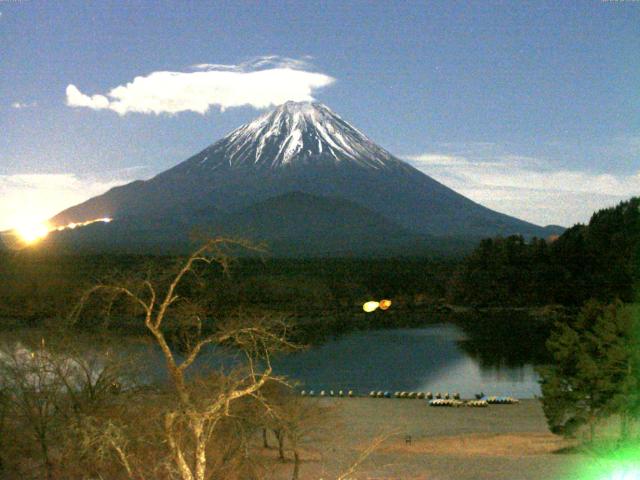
(436, 400)
(411, 395)
(328, 393)
(479, 402)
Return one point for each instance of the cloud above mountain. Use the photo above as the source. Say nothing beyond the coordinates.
(526, 187)
(259, 83)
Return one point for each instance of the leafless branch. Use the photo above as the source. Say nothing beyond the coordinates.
(366, 453)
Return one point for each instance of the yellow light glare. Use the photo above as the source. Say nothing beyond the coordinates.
(32, 232)
(370, 306)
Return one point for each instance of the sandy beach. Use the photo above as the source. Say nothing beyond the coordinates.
(503, 442)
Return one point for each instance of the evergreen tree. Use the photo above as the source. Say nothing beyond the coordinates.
(599, 260)
(596, 370)
(617, 341)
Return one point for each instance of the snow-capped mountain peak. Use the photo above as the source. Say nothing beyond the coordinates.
(299, 164)
(296, 133)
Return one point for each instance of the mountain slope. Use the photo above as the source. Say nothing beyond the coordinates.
(299, 147)
(296, 223)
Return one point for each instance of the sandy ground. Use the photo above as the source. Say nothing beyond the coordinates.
(498, 442)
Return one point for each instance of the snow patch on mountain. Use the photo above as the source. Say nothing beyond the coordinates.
(297, 132)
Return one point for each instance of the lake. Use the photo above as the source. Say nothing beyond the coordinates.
(430, 358)
(418, 359)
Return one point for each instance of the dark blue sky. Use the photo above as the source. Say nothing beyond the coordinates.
(529, 108)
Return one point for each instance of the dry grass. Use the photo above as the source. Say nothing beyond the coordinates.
(496, 445)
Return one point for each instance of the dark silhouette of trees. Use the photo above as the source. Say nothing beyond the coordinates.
(600, 260)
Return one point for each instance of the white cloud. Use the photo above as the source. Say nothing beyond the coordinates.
(259, 83)
(22, 105)
(427, 160)
(260, 63)
(529, 188)
(37, 197)
(75, 98)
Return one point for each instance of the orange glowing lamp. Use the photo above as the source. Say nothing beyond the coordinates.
(384, 304)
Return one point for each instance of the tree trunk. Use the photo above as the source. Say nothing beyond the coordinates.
(265, 440)
(201, 455)
(296, 465)
(46, 463)
(280, 437)
(49, 470)
(47, 467)
(183, 468)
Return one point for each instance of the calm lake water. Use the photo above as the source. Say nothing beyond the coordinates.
(420, 359)
(429, 358)
(425, 359)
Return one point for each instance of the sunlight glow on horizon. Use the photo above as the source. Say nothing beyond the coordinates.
(32, 231)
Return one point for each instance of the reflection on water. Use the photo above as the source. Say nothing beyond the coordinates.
(425, 359)
(508, 338)
(422, 359)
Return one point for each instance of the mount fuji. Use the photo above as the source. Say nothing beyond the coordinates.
(300, 178)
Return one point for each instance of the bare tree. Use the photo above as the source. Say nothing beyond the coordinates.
(47, 391)
(192, 421)
(293, 420)
(33, 392)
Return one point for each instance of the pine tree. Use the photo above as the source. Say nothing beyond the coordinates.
(596, 370)
(618, 344)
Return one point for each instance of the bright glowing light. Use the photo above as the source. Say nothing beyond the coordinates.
(626, 474)
(611, 463)
(370, 306)
(31, 231)
(73, 225)
(384, 304)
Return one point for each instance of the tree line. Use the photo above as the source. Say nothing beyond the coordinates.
(36, 287)
(600, 260)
